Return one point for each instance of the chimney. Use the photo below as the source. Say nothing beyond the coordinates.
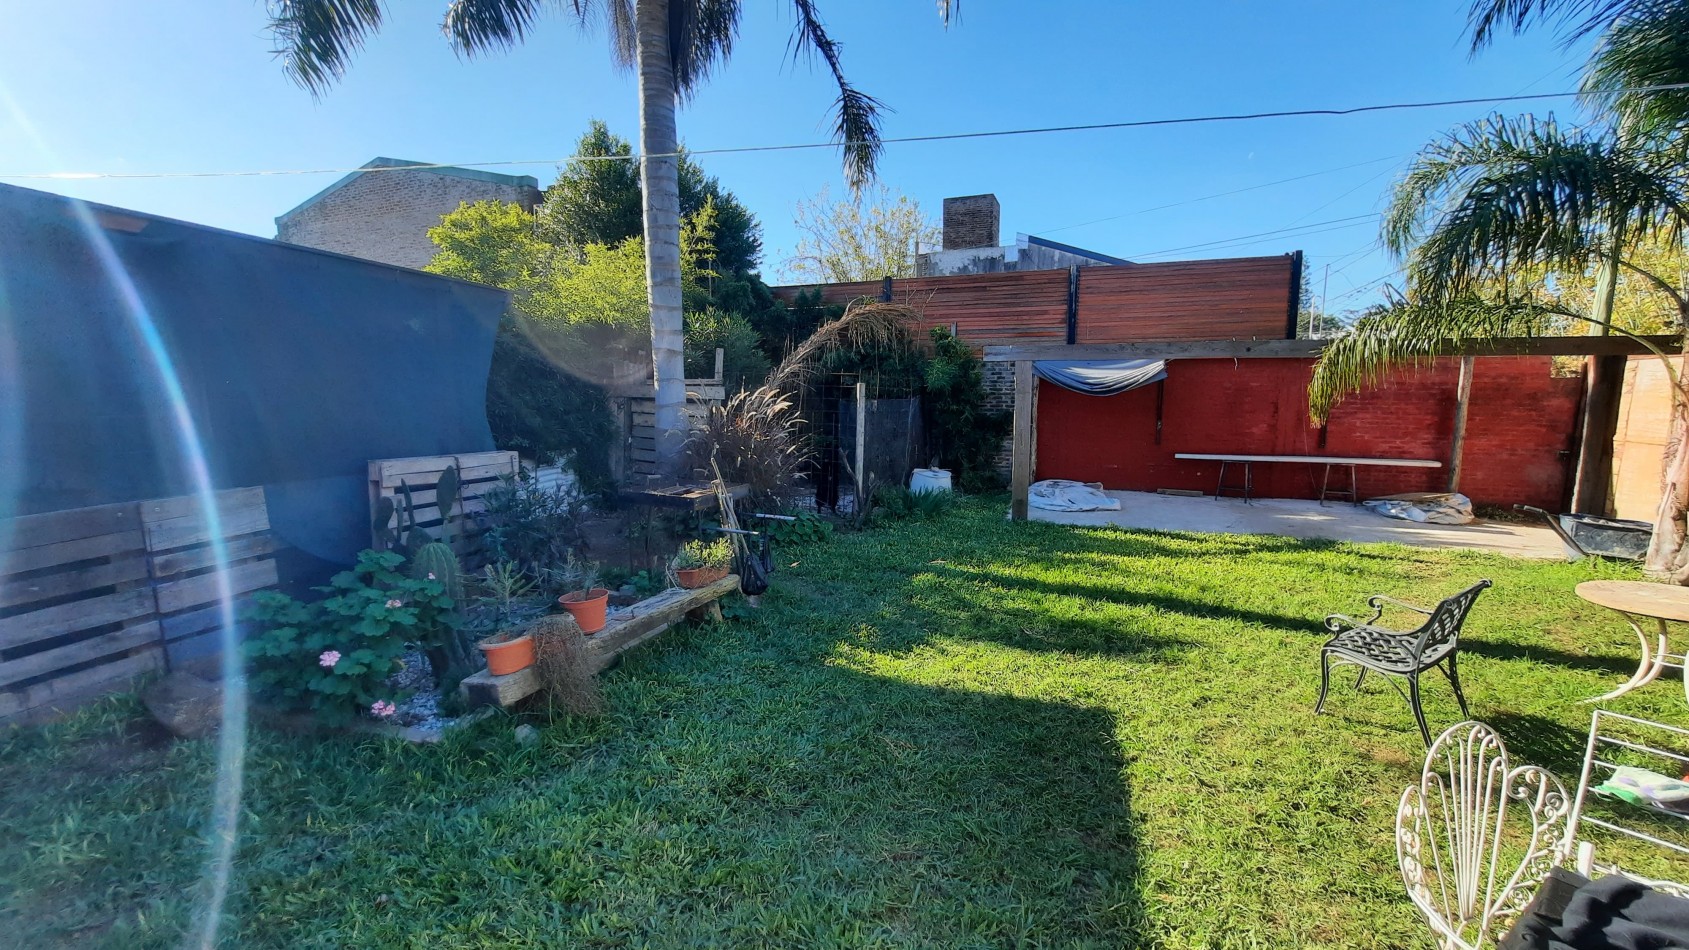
(971, 221)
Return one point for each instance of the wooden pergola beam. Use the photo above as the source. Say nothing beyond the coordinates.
(1292, 349)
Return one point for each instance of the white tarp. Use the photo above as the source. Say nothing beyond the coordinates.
(1060, 494)
(1424, 506)
(1100, 377)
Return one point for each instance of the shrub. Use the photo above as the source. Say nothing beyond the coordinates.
(753, 439)
(964, 436)
(806, 527)
(896, 503)
(332, 656)
(535, 527)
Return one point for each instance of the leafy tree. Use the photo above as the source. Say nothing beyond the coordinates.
(594, 202)
(744, 364)
(672, 45)
(598, 202)
(872, 235)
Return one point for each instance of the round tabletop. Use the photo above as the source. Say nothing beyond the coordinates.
(1642, 598)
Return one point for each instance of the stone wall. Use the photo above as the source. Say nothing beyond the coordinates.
(385, 216)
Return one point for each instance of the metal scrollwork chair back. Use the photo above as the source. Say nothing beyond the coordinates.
(1477, 835)
(1399, 653)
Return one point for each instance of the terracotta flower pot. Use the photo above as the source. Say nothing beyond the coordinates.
(506, 654)
(693, 578)
(588, 607)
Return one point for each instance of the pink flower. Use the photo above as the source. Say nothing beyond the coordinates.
(329, 658)
(382, 708)
(431, 575)
(395, 603)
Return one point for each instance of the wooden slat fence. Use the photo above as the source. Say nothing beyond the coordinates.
(1234, 298)
(478, 473)
(91, 598)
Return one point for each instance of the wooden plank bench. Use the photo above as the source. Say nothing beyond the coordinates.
(1248, 486)
(638, 623)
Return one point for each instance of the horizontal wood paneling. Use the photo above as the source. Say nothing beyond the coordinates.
(1236, 298)
(1246, 298)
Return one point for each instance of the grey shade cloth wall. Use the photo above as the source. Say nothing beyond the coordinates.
(1101, 377)
(297, 367)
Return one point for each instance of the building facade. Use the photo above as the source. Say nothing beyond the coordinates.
(385, 215)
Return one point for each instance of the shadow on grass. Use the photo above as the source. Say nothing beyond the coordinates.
(1536, 653)
(1536, 740)
(1009, 815)
(1084, 590)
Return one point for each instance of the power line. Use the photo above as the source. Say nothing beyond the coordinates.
(1218, 194)
(1340, 223)
(897, 140)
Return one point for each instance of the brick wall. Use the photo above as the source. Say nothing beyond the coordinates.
(385, 216)
(1000, 397)
(971, 221)
(1519, 429)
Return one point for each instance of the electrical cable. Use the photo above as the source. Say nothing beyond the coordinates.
(896, 140)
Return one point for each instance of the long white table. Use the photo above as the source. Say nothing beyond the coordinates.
(1248, 486)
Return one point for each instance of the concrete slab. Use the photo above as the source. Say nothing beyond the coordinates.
(1295, 518)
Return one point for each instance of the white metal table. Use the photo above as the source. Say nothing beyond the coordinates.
(1248, 486)
(1636, 601)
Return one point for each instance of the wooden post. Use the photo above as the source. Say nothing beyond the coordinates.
(1021, 442)
(861, 445)
(720, 364)
(1462, 398)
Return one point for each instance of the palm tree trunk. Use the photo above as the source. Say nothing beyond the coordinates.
(660, 179)
(1667, 554)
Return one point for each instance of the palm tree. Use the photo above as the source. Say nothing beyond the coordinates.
(1504, 197)
(672, 45)
(1493, 201)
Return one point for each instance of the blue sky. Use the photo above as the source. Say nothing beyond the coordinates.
(191, 86)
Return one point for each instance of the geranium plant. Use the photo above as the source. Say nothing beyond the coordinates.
(333, 656)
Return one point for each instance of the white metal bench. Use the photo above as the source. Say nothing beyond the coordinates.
(1248, 487)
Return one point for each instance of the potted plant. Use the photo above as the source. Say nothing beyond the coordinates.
(700, 564)
(588, 603)
(507, 651)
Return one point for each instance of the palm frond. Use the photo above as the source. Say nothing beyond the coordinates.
(316, 38)
(1499, 193)
(475, 26)
(701, 35)
(857, 115)
(865, 327)
(1402, 333)
(1648, 48)
(1574, 19)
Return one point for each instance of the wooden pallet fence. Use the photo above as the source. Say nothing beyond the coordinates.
(183, 562)
(92, 598)
(77, 615)
(478, 474)
(641, 439)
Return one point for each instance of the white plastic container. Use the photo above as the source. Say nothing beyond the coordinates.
(925, 480)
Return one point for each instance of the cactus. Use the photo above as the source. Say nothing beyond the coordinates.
(446, 493)
(436, 559)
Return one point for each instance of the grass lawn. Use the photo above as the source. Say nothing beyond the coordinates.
(966, 733)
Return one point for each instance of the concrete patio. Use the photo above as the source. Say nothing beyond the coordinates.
(1295, 518)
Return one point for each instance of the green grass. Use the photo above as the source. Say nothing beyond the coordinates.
(960, 733)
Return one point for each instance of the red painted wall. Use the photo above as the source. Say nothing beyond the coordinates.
(1520, 421)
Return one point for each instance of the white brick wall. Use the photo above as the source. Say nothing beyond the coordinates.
(385, 216)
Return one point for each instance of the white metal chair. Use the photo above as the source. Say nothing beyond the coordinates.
(1477, 836)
